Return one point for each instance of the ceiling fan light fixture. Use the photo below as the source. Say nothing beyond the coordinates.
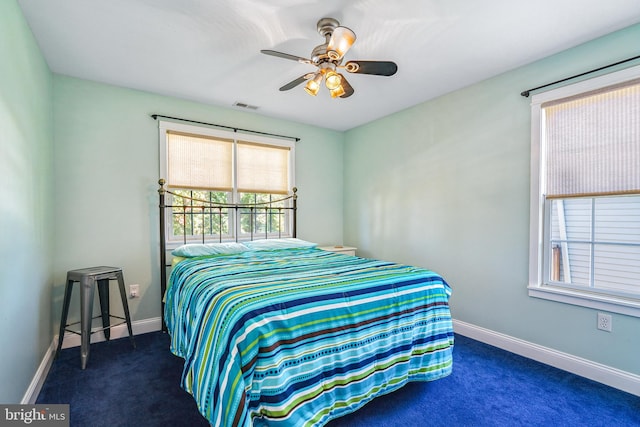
(337, 92)
(341, 41)
(328, 57)
(332, 80)
(313, 85)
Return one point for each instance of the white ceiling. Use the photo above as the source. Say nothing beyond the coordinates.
(209, 50)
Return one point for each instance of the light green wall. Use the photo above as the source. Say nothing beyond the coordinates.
(445, 185)
(106, 161)
(26, 184)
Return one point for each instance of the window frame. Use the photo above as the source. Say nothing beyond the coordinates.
(164, 126)
(540, 221)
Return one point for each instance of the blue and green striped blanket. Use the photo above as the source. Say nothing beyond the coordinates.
(297, 337)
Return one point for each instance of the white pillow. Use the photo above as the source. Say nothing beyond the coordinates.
(284, 243)
(200, 249)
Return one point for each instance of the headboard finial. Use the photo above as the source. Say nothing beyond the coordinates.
(161, 182)
(295, 191)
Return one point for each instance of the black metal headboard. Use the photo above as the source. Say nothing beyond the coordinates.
(191, 207)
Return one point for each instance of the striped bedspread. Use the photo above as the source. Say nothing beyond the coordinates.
(297, 337)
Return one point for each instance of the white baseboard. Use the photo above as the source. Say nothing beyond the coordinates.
(616, 378)
(73, 340)
(35, 386)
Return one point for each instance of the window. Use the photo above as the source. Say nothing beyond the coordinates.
(204, 165)
(585, 193)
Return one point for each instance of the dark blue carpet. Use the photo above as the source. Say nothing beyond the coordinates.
(489, 387)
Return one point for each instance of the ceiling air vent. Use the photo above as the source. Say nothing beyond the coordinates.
(243, 105)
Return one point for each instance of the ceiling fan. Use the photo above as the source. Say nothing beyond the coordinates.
(328, 58)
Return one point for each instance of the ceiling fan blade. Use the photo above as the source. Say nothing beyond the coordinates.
(348, 90)
(378, 68)
(286, 56)
(296, 82)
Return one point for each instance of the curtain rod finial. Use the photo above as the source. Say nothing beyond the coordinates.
(525, 93)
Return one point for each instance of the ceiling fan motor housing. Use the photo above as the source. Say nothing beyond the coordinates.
(326, 26)
(319, 54)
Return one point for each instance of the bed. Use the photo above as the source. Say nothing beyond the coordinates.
(275, 331)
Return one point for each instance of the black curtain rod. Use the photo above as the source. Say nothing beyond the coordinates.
(527, 92)
(155, 117)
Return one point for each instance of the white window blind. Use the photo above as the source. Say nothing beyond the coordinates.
(585, 193)
(199, 162)
(262, 168)
(592, 142)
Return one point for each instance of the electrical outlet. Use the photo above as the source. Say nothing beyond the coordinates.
(134, 291)
(604, 322)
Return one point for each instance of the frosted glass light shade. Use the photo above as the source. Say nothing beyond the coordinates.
(332, 80)
(341, 41)
(339, 91)
(313, 85)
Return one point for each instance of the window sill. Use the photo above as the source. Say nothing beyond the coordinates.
(610, 303)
